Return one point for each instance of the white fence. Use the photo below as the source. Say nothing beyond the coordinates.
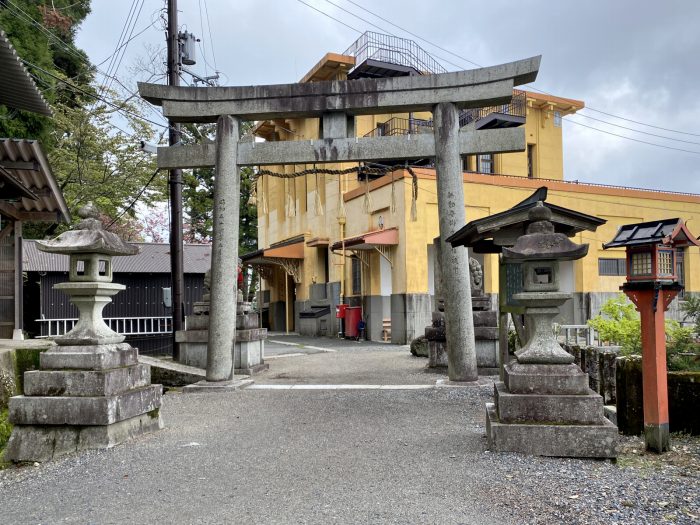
(578, 334)
(121, 325)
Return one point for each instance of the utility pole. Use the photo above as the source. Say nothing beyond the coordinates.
(175, 187)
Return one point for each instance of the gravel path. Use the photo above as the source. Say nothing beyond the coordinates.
(346, 456)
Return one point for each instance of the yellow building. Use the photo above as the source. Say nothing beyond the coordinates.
(327, 239)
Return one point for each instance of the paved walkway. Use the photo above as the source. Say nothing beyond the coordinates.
(331, 455)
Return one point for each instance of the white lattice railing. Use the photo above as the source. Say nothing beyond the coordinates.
(578, 334)
(121, 325)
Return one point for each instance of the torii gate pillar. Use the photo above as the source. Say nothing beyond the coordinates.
(459, 323)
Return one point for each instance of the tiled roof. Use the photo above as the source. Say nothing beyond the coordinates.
(152, 258)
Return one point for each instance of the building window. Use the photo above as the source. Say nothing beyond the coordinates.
(557, 119)
(356, 276)
(531, 161)
(485, 163)
(611, 267)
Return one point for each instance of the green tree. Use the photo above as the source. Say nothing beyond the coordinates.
(198, 200)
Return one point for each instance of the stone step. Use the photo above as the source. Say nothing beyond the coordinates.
(584, 409)
(86, 383)
(545, 379)
(171, 373)
(572, 441)
(84, 411)
(98, 357)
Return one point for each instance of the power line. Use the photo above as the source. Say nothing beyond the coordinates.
(211, 42)
(92, 95)
(329, 16)
(643, 124)
(133, 202)
(633, 139)
(638, 130)
(479, 65)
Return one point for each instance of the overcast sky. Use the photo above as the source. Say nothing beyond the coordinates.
(629, 58)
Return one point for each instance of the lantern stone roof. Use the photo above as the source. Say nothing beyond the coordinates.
(667, 231)
(88, 237)
(542, 242)
(492, 233)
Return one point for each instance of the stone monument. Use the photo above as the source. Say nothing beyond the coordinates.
(485, 322)
(544, 406)
(248, 349)
(90, 391)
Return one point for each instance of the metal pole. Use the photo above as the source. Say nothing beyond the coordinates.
(175, 187)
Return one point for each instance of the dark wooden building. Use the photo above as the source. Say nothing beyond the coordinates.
(139, 312)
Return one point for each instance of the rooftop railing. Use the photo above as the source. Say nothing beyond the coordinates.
(394, 50)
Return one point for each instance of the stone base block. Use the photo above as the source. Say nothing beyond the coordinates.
(99, 357)
(481, 302)
(487, 318)
(248, 354)
(437, 353)
(486, 354)
(486, 332)
(548, 408)
(42, 443)
(573, 441)
(247, 321)
(86, 383)
(84, 411)
(237, 383)
(197, 322)
(194, 354)
(202, 336)
(252, 370)
(545, 379)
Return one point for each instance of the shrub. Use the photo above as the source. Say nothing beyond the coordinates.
(691, 307)
(619, 324)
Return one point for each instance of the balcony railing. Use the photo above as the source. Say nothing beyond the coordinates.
(401, 126)
(516, 108)
(121, 325)
(507, 115)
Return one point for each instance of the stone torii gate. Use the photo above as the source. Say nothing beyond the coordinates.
(336, 103)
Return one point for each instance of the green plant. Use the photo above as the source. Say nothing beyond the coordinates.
(619, 324)
(5, 429)
(691, 307)
(681, 348)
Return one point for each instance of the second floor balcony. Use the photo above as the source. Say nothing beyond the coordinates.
(492, 117)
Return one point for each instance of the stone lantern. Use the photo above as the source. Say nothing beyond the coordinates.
(651, 285)
(90, 391)
(544, 406)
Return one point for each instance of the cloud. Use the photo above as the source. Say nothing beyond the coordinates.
(636, 60)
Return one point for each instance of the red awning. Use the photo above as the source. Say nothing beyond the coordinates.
(370, 240)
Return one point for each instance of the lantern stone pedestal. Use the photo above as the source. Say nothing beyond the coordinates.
(90, 391)
(544, 405)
